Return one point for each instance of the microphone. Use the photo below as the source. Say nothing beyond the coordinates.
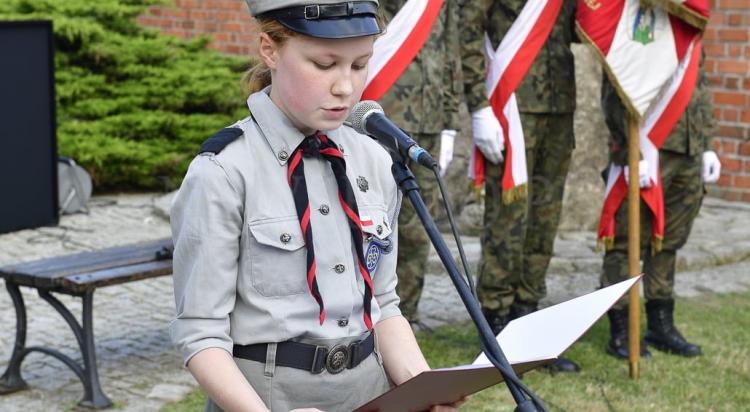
(367, 117)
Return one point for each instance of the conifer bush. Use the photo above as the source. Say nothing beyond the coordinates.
(133, 105)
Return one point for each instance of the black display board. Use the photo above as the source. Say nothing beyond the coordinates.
(28, 147)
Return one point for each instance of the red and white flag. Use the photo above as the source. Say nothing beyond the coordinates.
(653, 133)
(506, 67)
(399, 45)
(640, 47)
(652, 60)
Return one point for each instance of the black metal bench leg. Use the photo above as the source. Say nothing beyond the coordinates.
(11, 380)
(93, 396)
(97, 398)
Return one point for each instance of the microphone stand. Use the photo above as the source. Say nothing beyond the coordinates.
(408, 185)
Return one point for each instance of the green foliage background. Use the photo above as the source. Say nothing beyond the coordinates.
(133, 105)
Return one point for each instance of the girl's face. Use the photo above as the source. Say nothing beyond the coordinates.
(315, 82)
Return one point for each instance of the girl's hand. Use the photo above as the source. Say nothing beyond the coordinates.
(449, 407)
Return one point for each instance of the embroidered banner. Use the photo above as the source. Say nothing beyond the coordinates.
(653, 133)
(639, 46)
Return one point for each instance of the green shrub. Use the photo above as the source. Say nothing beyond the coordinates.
(133, 105)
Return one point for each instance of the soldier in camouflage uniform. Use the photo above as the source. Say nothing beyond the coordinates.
(423, 102)
(517, 238)
(686, 161)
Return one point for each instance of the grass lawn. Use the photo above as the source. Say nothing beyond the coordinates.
(717, 381)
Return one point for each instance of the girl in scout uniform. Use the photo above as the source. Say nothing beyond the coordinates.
(284, 231)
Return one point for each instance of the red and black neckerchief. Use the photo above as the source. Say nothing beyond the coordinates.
(319, 145)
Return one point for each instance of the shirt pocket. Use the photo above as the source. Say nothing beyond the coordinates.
(377, 232)
(278, 257)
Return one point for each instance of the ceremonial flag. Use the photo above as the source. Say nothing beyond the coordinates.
(653, 133)
(640, 47)
(399, 45)
(652, 59)
(507, 66)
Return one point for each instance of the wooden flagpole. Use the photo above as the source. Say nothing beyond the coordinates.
(634, 247)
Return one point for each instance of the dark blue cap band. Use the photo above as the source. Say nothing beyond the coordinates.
(333, 21)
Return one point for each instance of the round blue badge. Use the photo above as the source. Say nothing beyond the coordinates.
(372, 257)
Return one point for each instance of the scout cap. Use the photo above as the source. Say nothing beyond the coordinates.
(331, 19)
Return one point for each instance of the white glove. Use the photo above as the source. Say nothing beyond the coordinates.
(711, 167)
(447, 139)
(488, 135)
(644, 181)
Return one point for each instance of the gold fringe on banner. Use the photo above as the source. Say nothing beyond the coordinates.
(477, 191)
(515, 193)
(656, 244)
(605, 244)
(509, 196)
(676, 9)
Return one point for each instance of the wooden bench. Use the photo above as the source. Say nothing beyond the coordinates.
(78, 275)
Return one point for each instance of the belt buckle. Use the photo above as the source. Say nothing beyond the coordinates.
(312, 12)
(337, 359)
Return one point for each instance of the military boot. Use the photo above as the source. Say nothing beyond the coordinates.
(618, 335)
(497, 322)
(662, 334)
(519, 309)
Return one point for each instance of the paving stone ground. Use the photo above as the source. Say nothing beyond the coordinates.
(140, 371)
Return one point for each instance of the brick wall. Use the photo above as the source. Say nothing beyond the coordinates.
(726, 42)
(727, 46)
(228, 23)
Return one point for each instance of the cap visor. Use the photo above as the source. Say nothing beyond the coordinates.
(342, 28)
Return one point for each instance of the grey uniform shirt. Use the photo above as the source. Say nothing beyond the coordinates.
(239, 258)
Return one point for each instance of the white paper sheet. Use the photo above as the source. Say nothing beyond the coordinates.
(547, 333)
(528, 343)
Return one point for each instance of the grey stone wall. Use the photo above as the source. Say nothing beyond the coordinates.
(584, 189)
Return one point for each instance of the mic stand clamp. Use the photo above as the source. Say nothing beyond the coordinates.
(408, 185)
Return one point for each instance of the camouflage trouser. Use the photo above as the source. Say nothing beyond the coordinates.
(517, 238)
(413, 243)
(683, 196)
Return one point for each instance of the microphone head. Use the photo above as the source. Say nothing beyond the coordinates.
(358, 116)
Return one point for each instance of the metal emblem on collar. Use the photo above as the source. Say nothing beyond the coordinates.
(362, 183)
(283, 156)
(337, 359)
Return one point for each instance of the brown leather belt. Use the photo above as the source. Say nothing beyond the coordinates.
(309, 357)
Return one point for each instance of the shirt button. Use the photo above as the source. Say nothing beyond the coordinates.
(339, 268)
(285, 238)
(343, 322)
(379, 229)
(324, 209)
(283, 155)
